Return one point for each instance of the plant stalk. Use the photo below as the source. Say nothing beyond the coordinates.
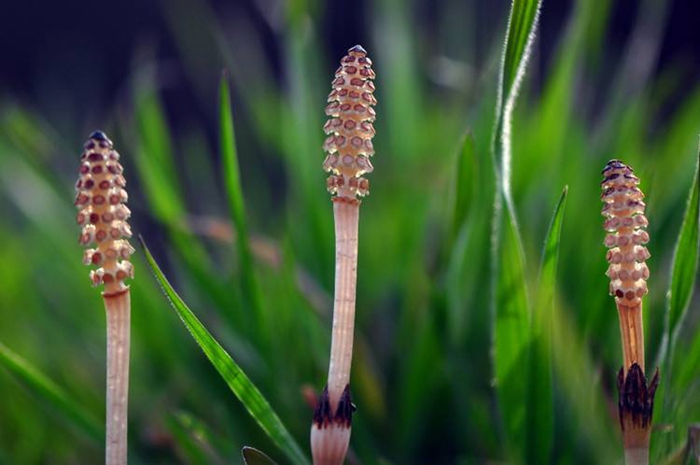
(632, 334)
(118, 311)
(346, 215)
(348, 148)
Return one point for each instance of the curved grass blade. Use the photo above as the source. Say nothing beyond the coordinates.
(232, 176)
(253, 456)
(237, 380)
(520, 35)
(154, 157)
(540, 415)
(234, 191)
(683, 276)
(685, 262)
(466, 184)
(156, 166)
(49, 391)
(512, 326)
(512, 331)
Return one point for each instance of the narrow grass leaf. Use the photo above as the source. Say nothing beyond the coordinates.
(683, 276)
(232, 176)
(234, 192)
(687, 366)
(521, 28)
(50, 392)
(253, 456)
(155, 157)
(520, 35)
(512, 327)
(512, 332)
(540, 410)
(465, 183)
(685, 262)
(233, 375)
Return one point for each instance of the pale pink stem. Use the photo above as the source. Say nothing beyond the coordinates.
(346, 231)
(118, 310)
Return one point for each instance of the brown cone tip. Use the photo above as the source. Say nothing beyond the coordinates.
(636, 402)
(625, 223)
(102, 213)
(323, 417)
(357, 49)
(349, 129)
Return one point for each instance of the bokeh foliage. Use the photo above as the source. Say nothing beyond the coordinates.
(425, 360)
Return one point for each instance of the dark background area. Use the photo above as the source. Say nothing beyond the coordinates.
(86, 48)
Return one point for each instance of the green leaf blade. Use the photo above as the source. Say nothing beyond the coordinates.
(685, 260)
(232, 176)
(53, 394)
(233, 375)
(540, 420)
(521, 27)
(512, 332)
(154, 158)
(512, 323)
(234, 192)
(466, 183)
(520, 35)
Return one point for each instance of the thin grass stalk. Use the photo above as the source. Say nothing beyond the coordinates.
(625, 222)
(103, 217)
(348, 147)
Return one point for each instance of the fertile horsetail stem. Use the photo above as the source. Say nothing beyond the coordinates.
(628, 272)
(103, 215)
(349, 148)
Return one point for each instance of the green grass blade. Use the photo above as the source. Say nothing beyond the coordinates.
(49, 391)
(234, 191)
(233, 375)
(512, 332)
(685, 262)
(253, 456)
(683, 276)
(465, 183)
(522, 25)
(687, 366)
(155, 157)
(540, 420)
(232, 176)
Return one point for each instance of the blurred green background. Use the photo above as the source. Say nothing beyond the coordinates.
(606, 80)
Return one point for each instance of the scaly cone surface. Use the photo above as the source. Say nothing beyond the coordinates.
(350, 130)
(103, 215)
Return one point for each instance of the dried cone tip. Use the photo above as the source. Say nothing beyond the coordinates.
(102, 214)
(350, 131)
